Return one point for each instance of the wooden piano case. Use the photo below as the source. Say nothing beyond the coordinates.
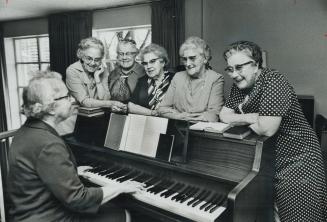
(240, 169)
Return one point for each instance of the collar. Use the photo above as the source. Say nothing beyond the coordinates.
(137, 69)
(39, 124)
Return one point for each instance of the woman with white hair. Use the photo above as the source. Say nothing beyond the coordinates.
(87, 79)
(43, 182)
(195, 94)
(151, 88)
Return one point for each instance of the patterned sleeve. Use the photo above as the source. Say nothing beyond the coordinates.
(235, 97)
(276, 96)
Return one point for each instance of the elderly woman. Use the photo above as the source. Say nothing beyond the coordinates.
(150, 89)
(87, 79)
(265, 100)
(123, 79)
(43, 181)
(195, 94)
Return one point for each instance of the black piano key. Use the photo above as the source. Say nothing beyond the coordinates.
(152, 189)
(176, 190)
(126, 176)
(152, 181)
(218, 203)
(193, 191)
(118, 173)
(129, 176)
(183, 193)
(204, 196)
(163, 186)
(171, 190)
(158, 186)
(143, 178)
(196, 197)
(180, 193)
(213, 202)
(208, 201)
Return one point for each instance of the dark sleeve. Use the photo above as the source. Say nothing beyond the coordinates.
(235, 97)
(276, 97)
(59, 174)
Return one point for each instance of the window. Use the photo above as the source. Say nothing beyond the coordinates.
(24, 55)
(110, 37)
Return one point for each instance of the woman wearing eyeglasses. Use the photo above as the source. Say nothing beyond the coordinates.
(195, 94)
(151, 88)
(87, 79)
(43, 182)
(264, 99)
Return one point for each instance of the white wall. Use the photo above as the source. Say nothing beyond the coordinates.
(122, 17)
(293, 32)
(106, 18)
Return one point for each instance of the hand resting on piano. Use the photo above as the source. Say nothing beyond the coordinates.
(113, 190)
(187, 201)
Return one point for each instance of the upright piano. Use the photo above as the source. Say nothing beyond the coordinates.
(221, 179)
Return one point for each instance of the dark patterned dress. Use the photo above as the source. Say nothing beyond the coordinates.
(148, 94)
(300, 187)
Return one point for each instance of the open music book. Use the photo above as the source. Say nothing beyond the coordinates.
(214, 127)
(135, 133)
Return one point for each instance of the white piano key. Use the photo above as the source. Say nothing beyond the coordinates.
(173, 206)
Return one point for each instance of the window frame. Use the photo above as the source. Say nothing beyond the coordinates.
(39, 63)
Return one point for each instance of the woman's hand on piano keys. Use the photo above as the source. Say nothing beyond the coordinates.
(113, 190)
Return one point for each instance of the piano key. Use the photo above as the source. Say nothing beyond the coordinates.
(208, 201)
(159, 200)
(218, 203)
(172, 190)
(178, 192)
(205, 195)
(200, 194)
(129, 176)
(181, 194)
(190, 194)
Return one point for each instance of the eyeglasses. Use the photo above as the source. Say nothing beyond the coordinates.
(238, 68)
(151, 62)
(89, 59)
(191, 58)
(68, 96)
(128, 54)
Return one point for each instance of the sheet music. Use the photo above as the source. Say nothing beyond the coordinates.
(143, 134)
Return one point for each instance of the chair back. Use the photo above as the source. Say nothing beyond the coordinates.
(5, 140)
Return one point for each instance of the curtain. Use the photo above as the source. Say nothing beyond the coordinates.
(66, 30)
(168, 27)
(3, 118)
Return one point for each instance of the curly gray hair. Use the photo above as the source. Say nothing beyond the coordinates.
(87, 43)
(40, 92)
(195, 42)
(157, 50)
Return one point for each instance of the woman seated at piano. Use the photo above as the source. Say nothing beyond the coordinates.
(87, 79)
(265, 100)
(195, 94)
(43, 181)
(151, 88)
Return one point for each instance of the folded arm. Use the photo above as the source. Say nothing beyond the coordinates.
(261, 125)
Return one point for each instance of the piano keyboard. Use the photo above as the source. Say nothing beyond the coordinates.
(185, 200)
